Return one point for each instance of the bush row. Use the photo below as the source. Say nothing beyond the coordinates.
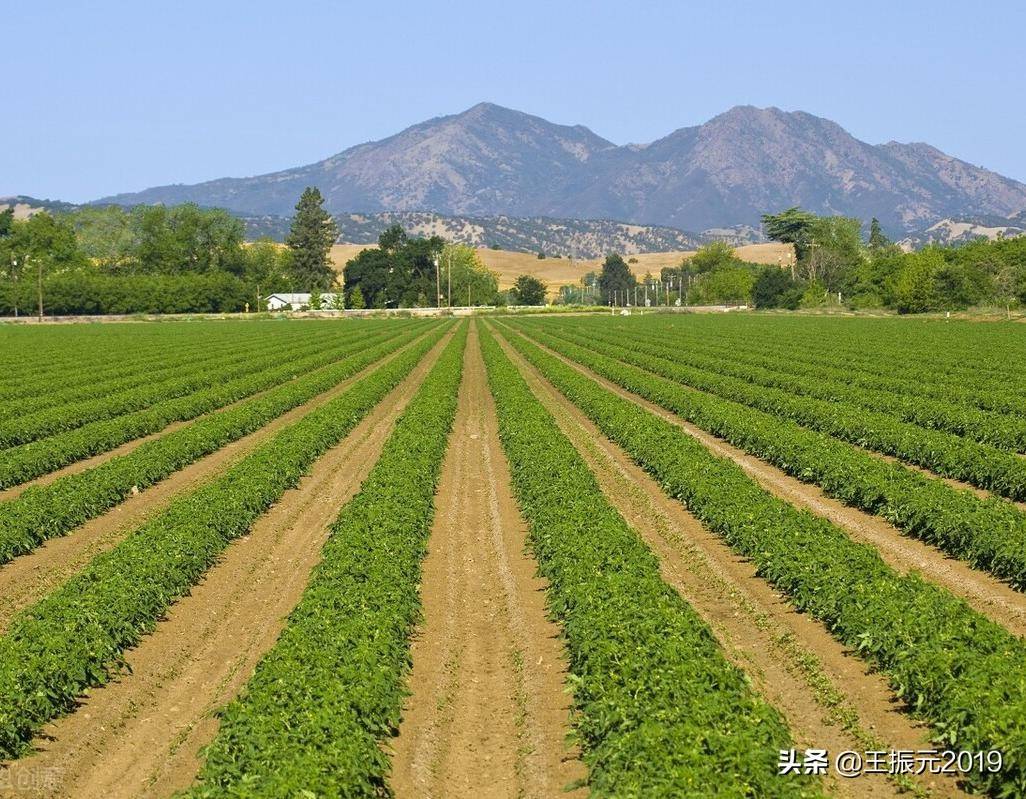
(44, 512)
(889, 374)
(661, 712)
(988, 427)
(943, 453)
(312, 717)
(949, 664)
(185, 379)
(121, 371)
(74, 637)
(23, 463)
(989, 534)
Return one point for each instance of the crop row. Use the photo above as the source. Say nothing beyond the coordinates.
(126, 374)
(874, 354)
(24, 396)
(889, 376)
(96, 360)
(939, 353)
(998, 430)
(31, 460)
(943, 453)
(661, 712)
(311, 719)
(186, 380)
(44, 512)
(989, 534)
(74, 637)
(949, 664)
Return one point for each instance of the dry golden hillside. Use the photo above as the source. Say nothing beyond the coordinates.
(556, 272)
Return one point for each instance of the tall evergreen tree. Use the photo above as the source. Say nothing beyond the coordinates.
(6, 222)
(877, 239)
(310, 239)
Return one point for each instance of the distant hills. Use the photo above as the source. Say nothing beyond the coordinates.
(574, 238)
(577, 238)
(963, 229)
(491, 161)
(567, 238)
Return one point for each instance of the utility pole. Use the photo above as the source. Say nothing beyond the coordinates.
(438, 285)
(39, 285)
(448, 295)
(14, 277)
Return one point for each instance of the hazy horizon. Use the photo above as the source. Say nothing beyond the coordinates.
(124, 97)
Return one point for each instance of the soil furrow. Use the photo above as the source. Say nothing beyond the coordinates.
(141, 735)
(829, 697)
(123, 449)
(955, 483)
(488, 713)
(985, 593)
(96, 460)
(959, 485)
(29, 577)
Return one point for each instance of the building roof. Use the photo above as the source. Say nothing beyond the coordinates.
(296, 298)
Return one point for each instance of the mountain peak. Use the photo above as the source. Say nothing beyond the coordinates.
(485, 108)
(490, 160)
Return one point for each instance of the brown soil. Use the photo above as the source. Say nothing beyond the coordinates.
(828, 696)
(961, 485)
(985, 593)
(141, 735)
(982, 493)
(11, 492)
(488, 714)
(88, 463)
(30, 577)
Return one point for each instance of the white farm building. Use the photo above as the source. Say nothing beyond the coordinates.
(275, 302)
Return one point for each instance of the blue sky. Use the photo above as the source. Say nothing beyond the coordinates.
(102, 97)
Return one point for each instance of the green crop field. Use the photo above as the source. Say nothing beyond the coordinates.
(661, 555)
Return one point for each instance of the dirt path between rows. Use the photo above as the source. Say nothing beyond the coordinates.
(488, 714)
(82, 465)
(828, 696)
(959, 485)
(983, 592)
(141, 735)
(28, 578)
(955, 483)
(94, 460)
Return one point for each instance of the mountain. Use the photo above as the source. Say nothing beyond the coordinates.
(486, 161)
(493, 161)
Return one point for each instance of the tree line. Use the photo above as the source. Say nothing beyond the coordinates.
(187, 259)
(833, 264)
(832, 259)
(410, 272)
(157, 259)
